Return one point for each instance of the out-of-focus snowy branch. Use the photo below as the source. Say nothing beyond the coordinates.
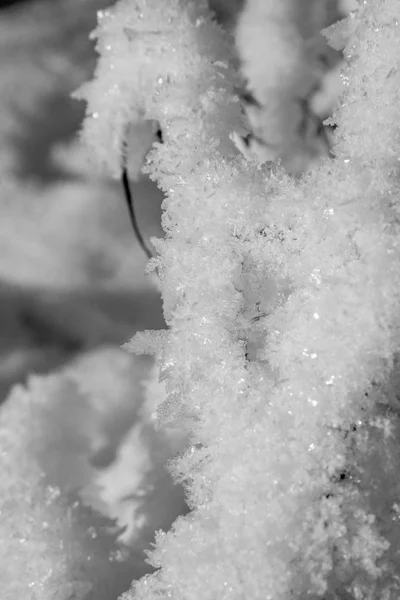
(45, 54)
(72, 290)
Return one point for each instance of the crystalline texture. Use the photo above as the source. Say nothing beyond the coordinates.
(281, 299)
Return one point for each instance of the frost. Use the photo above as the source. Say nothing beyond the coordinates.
(273, 468)
(274, 395)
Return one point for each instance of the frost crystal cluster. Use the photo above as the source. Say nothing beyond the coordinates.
(281, 298)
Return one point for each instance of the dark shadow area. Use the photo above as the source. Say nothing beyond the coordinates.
(8, 3)
(43, 330)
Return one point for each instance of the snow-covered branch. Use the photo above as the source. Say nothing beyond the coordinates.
(281, 299)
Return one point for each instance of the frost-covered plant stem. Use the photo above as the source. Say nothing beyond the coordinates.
(281, 300)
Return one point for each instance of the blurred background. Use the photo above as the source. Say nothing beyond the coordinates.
(71, 272)
(73, 289)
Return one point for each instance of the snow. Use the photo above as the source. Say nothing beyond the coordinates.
(272, 396)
